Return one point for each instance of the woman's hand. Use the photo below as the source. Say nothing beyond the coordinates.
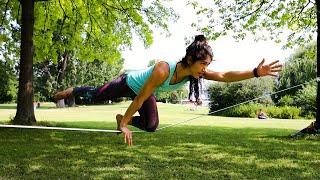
(269, 69)
(127, 135)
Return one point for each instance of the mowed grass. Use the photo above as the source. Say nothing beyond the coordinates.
(207, 147)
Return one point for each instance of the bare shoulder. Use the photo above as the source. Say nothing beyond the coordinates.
(162, 70)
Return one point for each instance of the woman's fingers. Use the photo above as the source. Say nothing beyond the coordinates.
(277, 66)
(128, 138)
(274, 62)
(261, 63)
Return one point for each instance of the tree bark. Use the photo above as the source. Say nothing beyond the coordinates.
(62, 71)
(317, 123)
(62, 68)
(25, 111)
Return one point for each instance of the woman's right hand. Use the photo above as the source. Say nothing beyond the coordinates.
(127, 135)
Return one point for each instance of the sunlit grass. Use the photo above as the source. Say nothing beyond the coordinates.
(206, 148)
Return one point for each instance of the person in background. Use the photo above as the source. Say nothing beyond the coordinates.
(262, 115)
(197, 103)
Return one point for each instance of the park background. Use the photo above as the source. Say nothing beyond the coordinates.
(232, 145)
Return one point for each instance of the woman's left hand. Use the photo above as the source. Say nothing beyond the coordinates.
(127, 135)
(268, 69)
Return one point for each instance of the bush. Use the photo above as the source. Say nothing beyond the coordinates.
(250, 110)
(246, 110)
(285, 112)
(286, 100)
(306, 98)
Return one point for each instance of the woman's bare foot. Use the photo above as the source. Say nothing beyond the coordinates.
(63, 94)
(119, 118)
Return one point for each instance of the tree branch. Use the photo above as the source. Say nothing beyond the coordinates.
(5, 12)
(129, 17)
(90, 33)
(253, 12)
(300, 12)
(62, 24)
(90, 16)
(18, 14)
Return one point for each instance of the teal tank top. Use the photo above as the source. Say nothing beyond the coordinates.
(136, 79)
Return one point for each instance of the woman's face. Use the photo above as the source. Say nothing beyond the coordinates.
(199, 67)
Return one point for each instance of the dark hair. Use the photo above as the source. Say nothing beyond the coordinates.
(199, 49)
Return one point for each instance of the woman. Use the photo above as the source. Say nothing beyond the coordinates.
(262, 115)
(163, 76)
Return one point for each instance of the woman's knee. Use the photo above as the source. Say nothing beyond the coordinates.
(152, 126)
(152, 129)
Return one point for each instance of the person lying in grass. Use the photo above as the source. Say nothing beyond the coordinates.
(163, 76)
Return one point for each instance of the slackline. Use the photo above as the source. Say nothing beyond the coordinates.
(56, 128)
(174, 124)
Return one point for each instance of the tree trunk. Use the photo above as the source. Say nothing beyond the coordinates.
(317, 124)
(25, 111)
(62, 68)
(62, 71)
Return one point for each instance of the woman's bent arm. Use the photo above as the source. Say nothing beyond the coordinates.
(158, 76)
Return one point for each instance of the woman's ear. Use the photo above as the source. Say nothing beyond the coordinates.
(189, 60)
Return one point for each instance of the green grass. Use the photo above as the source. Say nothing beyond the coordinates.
(205, 148)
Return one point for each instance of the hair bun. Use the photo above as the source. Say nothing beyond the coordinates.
(200, 38)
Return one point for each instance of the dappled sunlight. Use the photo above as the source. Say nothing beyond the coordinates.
(180, 152)
(208, 147)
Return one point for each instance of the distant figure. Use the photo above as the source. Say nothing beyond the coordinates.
(197, 103)
(262, 115)
(34, 106)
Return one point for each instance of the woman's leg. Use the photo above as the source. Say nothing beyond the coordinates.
(149, 118)
(65, 94)
(113, 89)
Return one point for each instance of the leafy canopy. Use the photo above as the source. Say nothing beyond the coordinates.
(92, 29)
(263, 18)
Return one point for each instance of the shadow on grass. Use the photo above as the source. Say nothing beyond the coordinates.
(184, 152)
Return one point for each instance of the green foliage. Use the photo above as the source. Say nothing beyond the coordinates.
(152, 62)
(258, 17)
(227, 94)
(251, 109)
(300, 68)
(90, 29)
(245, 110)
(285, 112)
(13, 88)
(95, 73)
(79, 29)
(173, 97)
(8, 83)
(286, 100)
(306, 98)
(78, 73)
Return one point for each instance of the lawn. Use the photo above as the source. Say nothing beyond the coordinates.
(208, 147)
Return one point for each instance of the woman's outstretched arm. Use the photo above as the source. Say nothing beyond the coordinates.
(232, 76)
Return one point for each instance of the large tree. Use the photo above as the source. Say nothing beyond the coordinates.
(299, 68)
(264, 19)
(88, 30)
(25, 111)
